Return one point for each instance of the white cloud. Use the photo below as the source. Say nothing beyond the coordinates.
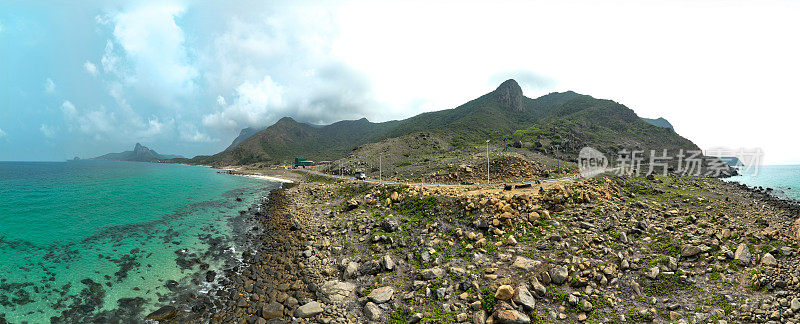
(221, 101)
(254, 103)
(110, 59)
(278, 64)
(90, 67)
(2, 133)
(154, 46)
(104, 124)
(49, 86)
(190, 133)
(68, 108)
(48, 131)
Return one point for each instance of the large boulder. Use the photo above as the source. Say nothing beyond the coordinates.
(769, 260)
(432, 273)
(370, 268)
(272, 310)
(526, 264)
(689, 251)
(742, 254)
(559, 274)
(381, 295)
(504, 292)
(372, 311)
(525, 298)
(310, 309)
(334, 291)
(164, 313)
(506, 314)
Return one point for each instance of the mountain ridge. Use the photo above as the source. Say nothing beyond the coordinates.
(563, 119)
(140, 153)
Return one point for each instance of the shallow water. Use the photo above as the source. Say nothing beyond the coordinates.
(783, 179)
(81, 238)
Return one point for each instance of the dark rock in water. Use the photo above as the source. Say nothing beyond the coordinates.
(182, 252)
(210, 275)
(163, 314)
(171, 284)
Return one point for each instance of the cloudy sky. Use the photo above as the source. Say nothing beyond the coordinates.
(185, 77)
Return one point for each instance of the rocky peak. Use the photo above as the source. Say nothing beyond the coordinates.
(509, 94)
(139, 149)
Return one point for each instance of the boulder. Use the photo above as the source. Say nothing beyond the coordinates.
(309, 310)
(334, 291)
(164, 313)
(559, 274)
(504, 292)
(769, 260)
(352, 204)
(525, 298)
(432, 273)
(372, 311)
(370, 268)
(538, 289)
(653, 272)
(526, 264)
(742, 254)
(387, 263)
(272, 310)
(506, 314)
(689, 251)
(351, 270)
(381, 295)
(390, 225)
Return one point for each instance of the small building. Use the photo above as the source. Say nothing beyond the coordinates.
(300, 162)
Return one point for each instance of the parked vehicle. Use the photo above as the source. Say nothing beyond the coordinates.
(360, 175)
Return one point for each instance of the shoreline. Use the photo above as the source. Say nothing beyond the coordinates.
(350, 252)
(268, 237)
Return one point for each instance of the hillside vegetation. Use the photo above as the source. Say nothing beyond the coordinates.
(557, 124)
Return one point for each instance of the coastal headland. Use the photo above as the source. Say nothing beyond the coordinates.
(606, 249)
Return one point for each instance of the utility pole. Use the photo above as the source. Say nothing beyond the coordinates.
(558, 163)
(487, 161)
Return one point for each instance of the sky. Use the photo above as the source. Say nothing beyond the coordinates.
(88, 78)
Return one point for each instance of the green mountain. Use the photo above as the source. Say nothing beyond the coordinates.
(244, 134)
(602, 124)
(660, 122)
(140, 153)
(561, 119)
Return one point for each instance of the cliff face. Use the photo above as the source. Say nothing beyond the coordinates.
(509, 94)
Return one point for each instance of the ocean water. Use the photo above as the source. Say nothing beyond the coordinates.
(783, 179)
(88, 237)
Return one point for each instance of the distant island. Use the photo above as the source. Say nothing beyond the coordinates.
(140, 153)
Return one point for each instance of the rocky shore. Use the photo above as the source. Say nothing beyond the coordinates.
(608, 249)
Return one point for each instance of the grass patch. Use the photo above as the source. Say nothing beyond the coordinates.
(663, 244)
(417, 209)
(488, 300)
(666, 285)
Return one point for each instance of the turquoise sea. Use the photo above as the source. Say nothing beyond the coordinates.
(83, 238)
(783, 179)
